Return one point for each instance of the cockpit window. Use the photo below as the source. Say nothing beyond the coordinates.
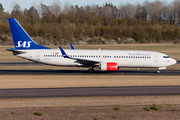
(166, 57)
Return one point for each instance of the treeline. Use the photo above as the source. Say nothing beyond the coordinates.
(147, 22)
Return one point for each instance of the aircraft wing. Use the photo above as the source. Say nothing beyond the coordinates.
(81, 61)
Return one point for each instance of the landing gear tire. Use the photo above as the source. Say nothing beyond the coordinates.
(90, 70)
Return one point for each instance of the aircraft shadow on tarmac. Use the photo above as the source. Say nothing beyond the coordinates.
(85, 72)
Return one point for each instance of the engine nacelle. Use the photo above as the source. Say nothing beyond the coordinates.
(109, 66)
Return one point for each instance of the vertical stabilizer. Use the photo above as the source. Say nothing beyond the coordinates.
(21, 39)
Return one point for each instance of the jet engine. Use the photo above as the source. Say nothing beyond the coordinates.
(109, 66)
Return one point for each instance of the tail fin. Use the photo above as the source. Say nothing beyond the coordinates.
(21, 39)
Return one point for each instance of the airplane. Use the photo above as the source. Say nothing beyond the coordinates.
(105, 60)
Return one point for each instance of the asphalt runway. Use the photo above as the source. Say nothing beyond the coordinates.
(19, 63)
(92, 91)
(96, 72)
(82, 72)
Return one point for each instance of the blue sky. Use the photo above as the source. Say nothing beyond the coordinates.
(7, 4)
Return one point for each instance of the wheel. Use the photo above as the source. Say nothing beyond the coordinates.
(90, 70)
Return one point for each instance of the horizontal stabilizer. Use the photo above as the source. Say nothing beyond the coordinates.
(16, 51)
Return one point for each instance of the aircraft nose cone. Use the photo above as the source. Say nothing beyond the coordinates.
(173, 61)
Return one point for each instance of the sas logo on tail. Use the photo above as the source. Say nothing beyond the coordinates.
(24, 44)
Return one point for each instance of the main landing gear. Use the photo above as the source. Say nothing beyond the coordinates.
(90, 70)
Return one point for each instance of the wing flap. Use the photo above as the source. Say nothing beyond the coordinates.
(85, 61)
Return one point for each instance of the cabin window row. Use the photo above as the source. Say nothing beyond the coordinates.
(88, 56)
(53, 56)
(92, 56)
(132, 57)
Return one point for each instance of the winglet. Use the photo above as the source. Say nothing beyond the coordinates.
(63, 52)
(72, 47)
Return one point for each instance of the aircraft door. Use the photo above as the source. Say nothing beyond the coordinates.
(156, 58)
(38, 56)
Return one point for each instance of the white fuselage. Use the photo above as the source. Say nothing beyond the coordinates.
(123, 58)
